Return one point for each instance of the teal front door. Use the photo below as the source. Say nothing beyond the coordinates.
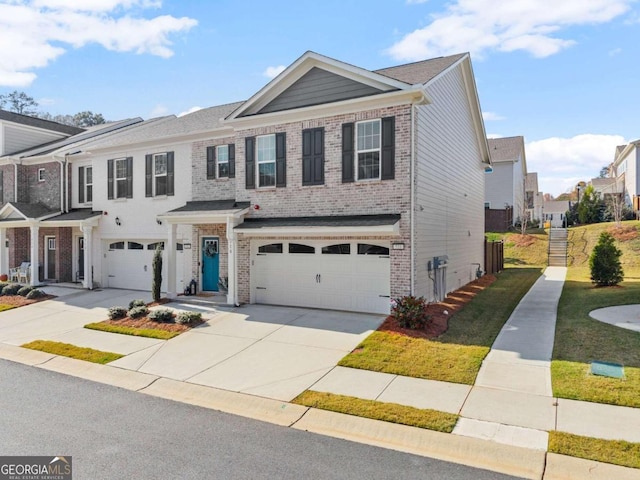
(210, 264)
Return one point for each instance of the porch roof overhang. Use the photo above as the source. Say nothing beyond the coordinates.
(77, 218)
(352, 225)
(19, 215)
(205, 212)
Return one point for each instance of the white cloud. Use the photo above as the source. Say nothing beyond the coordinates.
(273, 72)
(479, 26)
(34, 33)
(491, 116)
(414, 2)
(562, 162)
(191, 110)
(159, 110)
(494, 135)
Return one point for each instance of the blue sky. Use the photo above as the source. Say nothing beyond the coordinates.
(562, 73)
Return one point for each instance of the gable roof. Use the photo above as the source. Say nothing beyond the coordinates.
(25, 210)
(420, 72)
(506, 149)
(38, 123)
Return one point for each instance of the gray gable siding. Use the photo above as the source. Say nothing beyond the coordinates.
(317, 87)
(18, 139)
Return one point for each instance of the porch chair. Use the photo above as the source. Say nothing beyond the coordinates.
(21, 273)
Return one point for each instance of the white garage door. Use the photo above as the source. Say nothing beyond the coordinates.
(129, 264)
(337, 275)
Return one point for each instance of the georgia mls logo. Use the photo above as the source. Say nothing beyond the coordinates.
(35, 468)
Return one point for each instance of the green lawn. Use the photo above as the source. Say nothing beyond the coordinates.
(72, 351)
(617, 452)
(387, 412)
(4, 307)
(138, 332)
(457, 355)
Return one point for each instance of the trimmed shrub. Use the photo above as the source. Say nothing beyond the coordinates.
(137, 303)
(188, 318)
(161, 315)
(138, 312)
(604, 262)
(410, 312)
(24, 291)
(116, 313)
(35, 293)
(11, 289)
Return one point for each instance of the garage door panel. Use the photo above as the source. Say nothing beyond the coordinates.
(337, 280)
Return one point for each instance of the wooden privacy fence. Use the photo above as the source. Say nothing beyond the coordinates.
(498, 220)
(493, 257)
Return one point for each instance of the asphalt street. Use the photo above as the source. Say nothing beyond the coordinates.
(113, 433)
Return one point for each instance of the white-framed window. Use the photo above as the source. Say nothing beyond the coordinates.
(160, 173)
(222, 154)
(51, 243)
(368, 137)
(121, 178)
(487, 204)
(88, 184)
(41, 174)
(266, 156)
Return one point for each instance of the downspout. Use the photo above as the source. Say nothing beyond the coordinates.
(413, 211)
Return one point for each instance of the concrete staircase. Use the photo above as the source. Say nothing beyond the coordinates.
(558, 247)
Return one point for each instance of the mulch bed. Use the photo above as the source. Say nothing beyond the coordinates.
(623, 233)
(439, 323)
(520, 240)
(146, 322)
(20, 301)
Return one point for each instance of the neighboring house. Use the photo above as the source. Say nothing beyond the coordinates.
(625, 171)
(607, 186)
(332, 187)
(508, 184)
(37, 223)
(555, 212)
(533, 198)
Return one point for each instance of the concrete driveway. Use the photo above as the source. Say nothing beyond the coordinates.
(274, 352)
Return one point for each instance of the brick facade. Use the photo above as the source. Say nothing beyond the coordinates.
(202, 187)
(46, 192)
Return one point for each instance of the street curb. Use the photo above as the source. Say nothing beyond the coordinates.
(24, 355)
(95, 372)
(507, 459)
(257, 408)
(563, 467)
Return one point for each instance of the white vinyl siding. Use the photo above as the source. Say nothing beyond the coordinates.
(20, 138)
(449, 185)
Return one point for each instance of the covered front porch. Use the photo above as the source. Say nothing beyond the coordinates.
(214, 248)
(50, 246)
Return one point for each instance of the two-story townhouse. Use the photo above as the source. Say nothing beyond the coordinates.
(625, 171)
(37, 223)
(533, 198)
(340, 187)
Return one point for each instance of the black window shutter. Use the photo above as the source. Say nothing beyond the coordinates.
(313, 156)
(148, 175)
(110, 179)
(388, 148)
(347, 152)
(170, 174)
(232, 160)
(249, 156)
(81, 185)
(129, 177)
(211, 162)
(281, 159)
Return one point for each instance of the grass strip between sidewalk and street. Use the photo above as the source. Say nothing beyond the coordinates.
(73, 351)
(387, 412)
(455, 356)
(137, 332)
(617, 452)
(581, 339)
(4, 307)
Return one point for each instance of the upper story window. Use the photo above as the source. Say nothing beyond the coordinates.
(266, 155)
(221, 161)
(119, 178)
(41, 172)
(222, 152)
(159, 173)
(85, 184)
(368, 150)
(269, 153)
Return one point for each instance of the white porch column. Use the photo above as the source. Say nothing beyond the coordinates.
(4, 251)
(171, 261)
(34, 255)
(87, 234)
(232, 244)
